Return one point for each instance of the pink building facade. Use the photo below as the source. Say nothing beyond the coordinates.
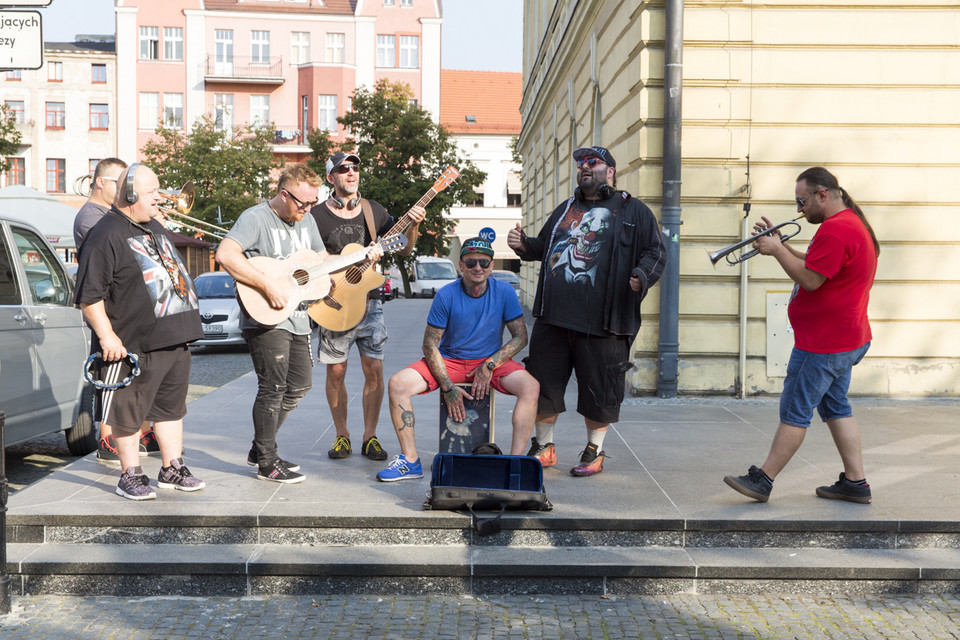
(291, 63)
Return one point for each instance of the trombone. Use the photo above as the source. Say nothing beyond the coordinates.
(182, 201)
(727, 252)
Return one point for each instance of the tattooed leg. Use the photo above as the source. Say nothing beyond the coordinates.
(403, 385)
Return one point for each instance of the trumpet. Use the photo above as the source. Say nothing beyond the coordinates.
(182, 202)
(727, 252)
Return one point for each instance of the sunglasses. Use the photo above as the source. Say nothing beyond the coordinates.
(345, 168)
(590, 162)
(470, 263)
(800, 201)
(303, 205)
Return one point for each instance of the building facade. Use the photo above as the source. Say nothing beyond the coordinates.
(66, 114)
(869, 90)
(292, 63)
(481, 110)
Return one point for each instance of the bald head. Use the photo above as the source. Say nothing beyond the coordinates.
(145, 193)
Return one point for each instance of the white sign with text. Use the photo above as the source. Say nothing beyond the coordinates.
(21, 40)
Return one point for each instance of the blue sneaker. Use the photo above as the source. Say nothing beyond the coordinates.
(401, 469)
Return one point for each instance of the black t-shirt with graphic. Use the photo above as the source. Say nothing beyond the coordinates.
(145, 287)
(577, 266)
(338, 232)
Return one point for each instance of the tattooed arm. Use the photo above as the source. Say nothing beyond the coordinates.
(482, 375)
(451, 393)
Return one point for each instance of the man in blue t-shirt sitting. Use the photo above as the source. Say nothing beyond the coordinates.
(462, 342)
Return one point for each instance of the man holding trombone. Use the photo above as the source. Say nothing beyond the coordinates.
(828, 313)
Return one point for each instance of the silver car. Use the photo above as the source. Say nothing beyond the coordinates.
(44, 343)
(219, 309)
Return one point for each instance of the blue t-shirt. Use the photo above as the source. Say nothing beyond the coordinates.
(473, 327)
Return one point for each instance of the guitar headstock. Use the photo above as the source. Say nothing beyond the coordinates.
(446, 179)
(392, 243)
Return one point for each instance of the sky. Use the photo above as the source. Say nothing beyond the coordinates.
(487, 39)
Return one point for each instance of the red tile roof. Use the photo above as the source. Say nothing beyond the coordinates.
(337, 7)
(491, 97)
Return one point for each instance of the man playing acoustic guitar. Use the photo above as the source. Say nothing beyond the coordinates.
(347, 222)
(277, 229)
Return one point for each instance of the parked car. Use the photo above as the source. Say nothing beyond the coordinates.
(219, 310)
(44, 343)
(429, 274)
(508, 276)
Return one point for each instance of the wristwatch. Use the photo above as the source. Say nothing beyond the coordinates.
(491, 365)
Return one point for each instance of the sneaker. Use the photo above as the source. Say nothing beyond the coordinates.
(135, 485)
(843, 489)
(591, 462)
(545, 453)
(107, 452)
(341, 448)
(276, 473)
(149, 445)
(177, 476)
(754, 485)
(401, 469)
(286, 464)
(372, 449)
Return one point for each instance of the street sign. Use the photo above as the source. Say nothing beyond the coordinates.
(488, 234)
(21, 40)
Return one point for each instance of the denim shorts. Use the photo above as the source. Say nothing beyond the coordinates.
(370, 336)
(818, 380)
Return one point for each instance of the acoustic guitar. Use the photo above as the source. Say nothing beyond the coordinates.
(346, 305)
(302, 276)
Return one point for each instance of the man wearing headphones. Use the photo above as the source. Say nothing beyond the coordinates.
(346, 218)
(601, 252)
(135, 292)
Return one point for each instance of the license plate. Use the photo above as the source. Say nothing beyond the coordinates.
(213, 328)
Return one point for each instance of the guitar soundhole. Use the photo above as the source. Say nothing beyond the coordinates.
(353, 275)
(300, 277)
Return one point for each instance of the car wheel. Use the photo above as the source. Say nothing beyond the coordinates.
(83, 435)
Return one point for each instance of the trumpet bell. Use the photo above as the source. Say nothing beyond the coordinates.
(181, 198)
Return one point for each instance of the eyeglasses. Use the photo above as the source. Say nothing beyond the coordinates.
(470, 263)
(800, 201)
(345, 168)
(303, 205)
(590, 162)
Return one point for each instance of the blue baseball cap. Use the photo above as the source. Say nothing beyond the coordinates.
(476, 245)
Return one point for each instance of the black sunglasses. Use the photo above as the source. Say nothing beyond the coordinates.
(470, 263)
(303, 205)
(345, 168)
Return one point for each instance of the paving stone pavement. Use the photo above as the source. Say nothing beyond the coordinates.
(933, 617)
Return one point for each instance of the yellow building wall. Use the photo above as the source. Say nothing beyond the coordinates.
(868, 89)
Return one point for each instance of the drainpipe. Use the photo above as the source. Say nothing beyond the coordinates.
(670, 220)
(4, 576)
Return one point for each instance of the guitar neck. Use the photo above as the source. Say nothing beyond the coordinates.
(405, 221)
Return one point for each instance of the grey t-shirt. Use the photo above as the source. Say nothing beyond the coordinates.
(89, 215)
(260, 232)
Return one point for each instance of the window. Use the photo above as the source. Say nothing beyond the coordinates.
(259, 110)
(98, 73)
(14, 110)
(173, 110)
(223, 112)
(299, 47)
(336, 46)
(223, 52)
(327, 112)
(386, 51)
(149, 43)
(149, 110)
(56, 115)
(54, 72)
(56, 175)
(92, 165)
(513, 199)
(17, 173)
(173, 43)
(406, 3)
(14, 75)
(409, 52)
(259, 46)
(389, 3)
(99, 117)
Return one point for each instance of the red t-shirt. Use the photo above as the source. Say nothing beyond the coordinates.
(833, 318)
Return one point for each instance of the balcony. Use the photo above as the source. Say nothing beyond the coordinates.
(244, 70)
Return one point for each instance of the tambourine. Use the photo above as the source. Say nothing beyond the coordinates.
(100, 384)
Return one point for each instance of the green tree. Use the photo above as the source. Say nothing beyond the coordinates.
(230, 170)
(403, 152)
(10, 138)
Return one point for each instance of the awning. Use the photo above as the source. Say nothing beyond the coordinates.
(513, 183)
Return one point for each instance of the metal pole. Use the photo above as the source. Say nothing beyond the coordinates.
(4, 576)
(668, 373)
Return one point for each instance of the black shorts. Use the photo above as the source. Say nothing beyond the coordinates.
(158, 394)
(600, 362)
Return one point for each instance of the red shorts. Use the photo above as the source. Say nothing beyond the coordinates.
(458, 370)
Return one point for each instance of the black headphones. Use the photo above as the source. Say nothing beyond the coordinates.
(604, 191)
(338, 202)
(130, 194)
